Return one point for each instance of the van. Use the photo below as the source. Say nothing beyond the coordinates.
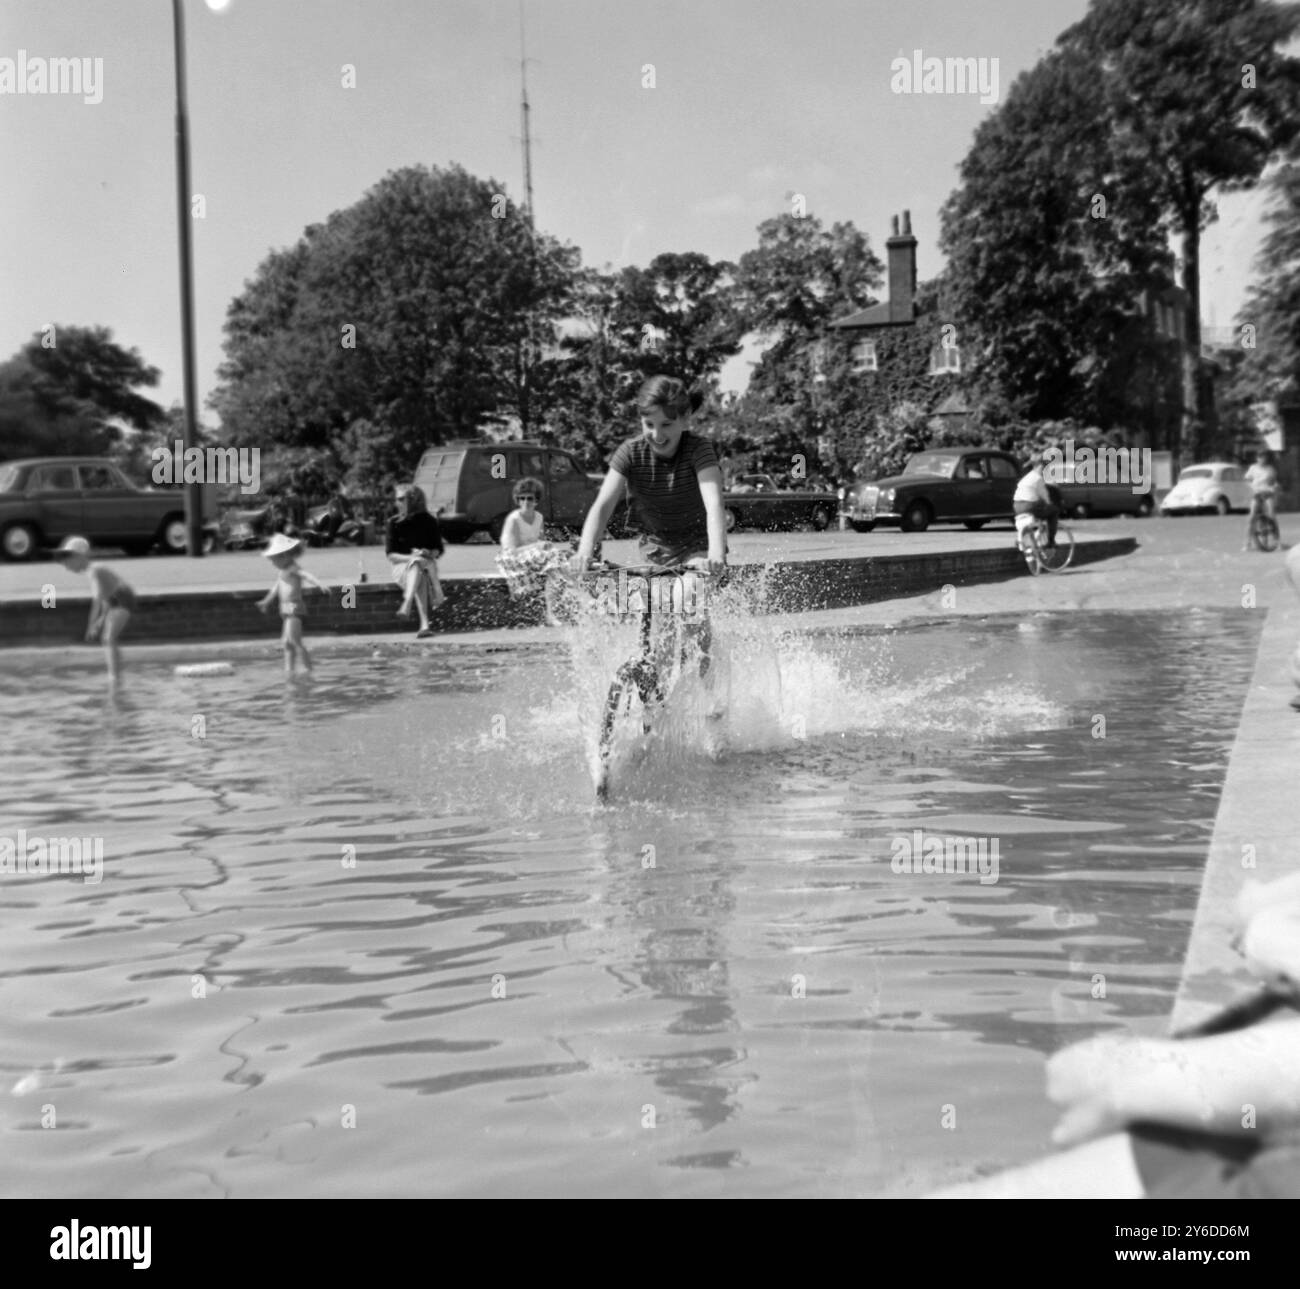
(469, 487)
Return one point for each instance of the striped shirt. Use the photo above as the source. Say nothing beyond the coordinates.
(666, 491)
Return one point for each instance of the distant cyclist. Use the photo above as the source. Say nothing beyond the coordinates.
(673, 477)
(1262, 477)
(1033, 496)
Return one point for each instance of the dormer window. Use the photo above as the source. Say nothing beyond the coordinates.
(864, 357)
(945, 359)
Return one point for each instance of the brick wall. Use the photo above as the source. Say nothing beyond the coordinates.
(481, 603)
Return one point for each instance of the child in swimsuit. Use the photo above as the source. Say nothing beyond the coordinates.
(112, 601)
(283, 553)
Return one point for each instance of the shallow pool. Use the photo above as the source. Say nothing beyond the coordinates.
(373, 937)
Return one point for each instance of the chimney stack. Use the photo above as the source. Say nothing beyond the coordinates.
(902, 271)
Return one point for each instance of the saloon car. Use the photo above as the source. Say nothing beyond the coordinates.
(968, 486)
(45, 499)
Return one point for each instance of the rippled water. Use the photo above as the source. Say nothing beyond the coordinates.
(510, 985)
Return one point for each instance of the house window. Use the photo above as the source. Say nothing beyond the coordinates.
(864, 357)
(944, 359)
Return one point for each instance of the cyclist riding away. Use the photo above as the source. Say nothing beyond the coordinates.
(1262, 477)
(1033, 497)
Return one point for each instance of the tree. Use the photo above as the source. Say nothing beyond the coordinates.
(679, 316)
(414, 310)
(1270, 367)
(800, 278)
(1051, 238)
(1200, 96)
(65, 391)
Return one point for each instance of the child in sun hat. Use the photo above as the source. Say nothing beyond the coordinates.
(112, 601)
(283, 553)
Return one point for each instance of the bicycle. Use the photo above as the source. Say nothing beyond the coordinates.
(1040, 557)
(1263, 532)
(674, 633)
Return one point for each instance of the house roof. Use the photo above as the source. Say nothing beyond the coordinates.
(876, 316)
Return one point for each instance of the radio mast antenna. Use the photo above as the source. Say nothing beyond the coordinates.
(528, 143)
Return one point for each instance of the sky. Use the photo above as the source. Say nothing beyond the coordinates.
(752, 100)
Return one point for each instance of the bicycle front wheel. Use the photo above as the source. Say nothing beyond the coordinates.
(1058, 557)
(1266, 533)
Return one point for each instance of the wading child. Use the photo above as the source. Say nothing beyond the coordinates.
(112, 601)
(283, 553)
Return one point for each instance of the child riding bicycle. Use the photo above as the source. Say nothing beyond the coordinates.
(1033, 500)
(1262, 477)
(673, 476)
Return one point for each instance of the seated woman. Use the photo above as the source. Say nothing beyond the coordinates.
(525, 557)
(413, 542)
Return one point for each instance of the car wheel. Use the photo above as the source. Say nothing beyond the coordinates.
(1082, 511)
(733, 521)
(975, 524)
(495, 528)
(821, 518)
(1145, 507)
(861, 525)
(1222, 506)
(172, 536)
(917, 517)
(19, 541)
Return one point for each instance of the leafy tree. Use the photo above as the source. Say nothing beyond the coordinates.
(800, 278)
(67, 395)
(679, 316)
(415, 310)
(1051, 238)
(1199, 95)
(1271, 367)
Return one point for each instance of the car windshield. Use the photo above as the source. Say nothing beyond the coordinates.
(1196, 472)
(8, 477)
(937, 464)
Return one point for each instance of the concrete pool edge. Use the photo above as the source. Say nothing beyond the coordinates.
(480, 603)
(1252, 837)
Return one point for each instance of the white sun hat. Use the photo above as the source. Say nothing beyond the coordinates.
(74, 546)
(281, 544)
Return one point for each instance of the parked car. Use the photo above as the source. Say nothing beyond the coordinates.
(757, 501)
(45, 499)
(469, 486)
(970, 486)
(1084, 500)
(1216, 485)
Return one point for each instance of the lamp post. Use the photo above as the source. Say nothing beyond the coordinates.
(193, 490)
